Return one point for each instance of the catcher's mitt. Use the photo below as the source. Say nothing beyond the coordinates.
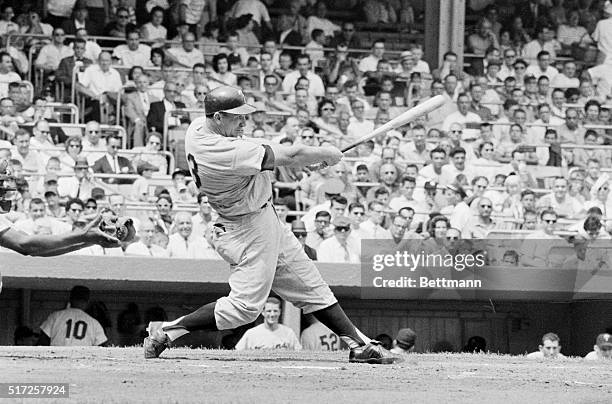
(120, 227)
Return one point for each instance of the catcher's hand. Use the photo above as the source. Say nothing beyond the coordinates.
(121, 228)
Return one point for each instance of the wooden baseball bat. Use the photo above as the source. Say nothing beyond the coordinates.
(430, 105)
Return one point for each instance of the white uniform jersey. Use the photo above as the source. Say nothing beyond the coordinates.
(73, 327)
(261, 337)
(318, 337)
(229, 170)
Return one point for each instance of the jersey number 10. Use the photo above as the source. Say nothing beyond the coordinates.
(79, 331)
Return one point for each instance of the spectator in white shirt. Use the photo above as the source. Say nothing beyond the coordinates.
(52, 54)
(462, 116)
(543, 67)
(154, 30)
(603, 36)
(186, 244)
(544, 41)
(133, 53)
(31, 160)
(254, 7)
(370, 62)
(567, 77)
(144, 246)
(101, 83)
(320, 21)
(359, 126)
(187, 55)
(92, 49)
(314, 48)
(304, 65)
(6, 23)
(342, 246)
(94, 145)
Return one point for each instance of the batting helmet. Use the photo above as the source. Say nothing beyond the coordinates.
(227, 99)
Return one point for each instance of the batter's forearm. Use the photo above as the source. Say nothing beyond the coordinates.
(300, 156)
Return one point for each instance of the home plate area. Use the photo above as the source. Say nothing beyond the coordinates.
(119, 375)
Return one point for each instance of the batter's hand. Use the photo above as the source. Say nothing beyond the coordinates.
(331, 155)
(94, 234)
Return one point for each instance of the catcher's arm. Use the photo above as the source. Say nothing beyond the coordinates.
(46, 246)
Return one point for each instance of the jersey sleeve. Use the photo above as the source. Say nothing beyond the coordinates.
(47, 325)
(243, 158)
(99, 335)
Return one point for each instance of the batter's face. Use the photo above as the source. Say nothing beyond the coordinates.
(271, 313)
(229, 125)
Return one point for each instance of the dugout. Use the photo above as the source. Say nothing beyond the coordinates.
(512, 321)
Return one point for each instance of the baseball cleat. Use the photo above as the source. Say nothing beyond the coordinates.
(156, 342)
(373, 353)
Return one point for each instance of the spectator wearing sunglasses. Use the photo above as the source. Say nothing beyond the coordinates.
(483, 223)
(151, 153)
(342, 247)
(112, 163)
(534, 251)
(298, 228)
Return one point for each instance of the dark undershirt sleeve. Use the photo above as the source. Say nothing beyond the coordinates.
(267, 163)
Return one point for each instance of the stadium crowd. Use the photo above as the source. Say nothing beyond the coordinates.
(521, 145)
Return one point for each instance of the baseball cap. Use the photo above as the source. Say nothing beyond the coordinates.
(458, 189)
(227, 99)
(332, 186)
(406, 338)
(604, 340)
(341, 221)
(432, 185)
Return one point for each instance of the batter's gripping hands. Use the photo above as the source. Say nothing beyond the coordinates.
(120, 227)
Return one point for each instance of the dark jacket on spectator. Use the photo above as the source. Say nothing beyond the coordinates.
(66, 66)
(155, 118)
(103, 166)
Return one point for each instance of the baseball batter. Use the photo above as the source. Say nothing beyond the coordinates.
(264, 255)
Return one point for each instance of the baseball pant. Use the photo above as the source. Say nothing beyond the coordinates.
(264, 255)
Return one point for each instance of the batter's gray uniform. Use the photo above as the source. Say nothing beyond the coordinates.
(263, 254)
